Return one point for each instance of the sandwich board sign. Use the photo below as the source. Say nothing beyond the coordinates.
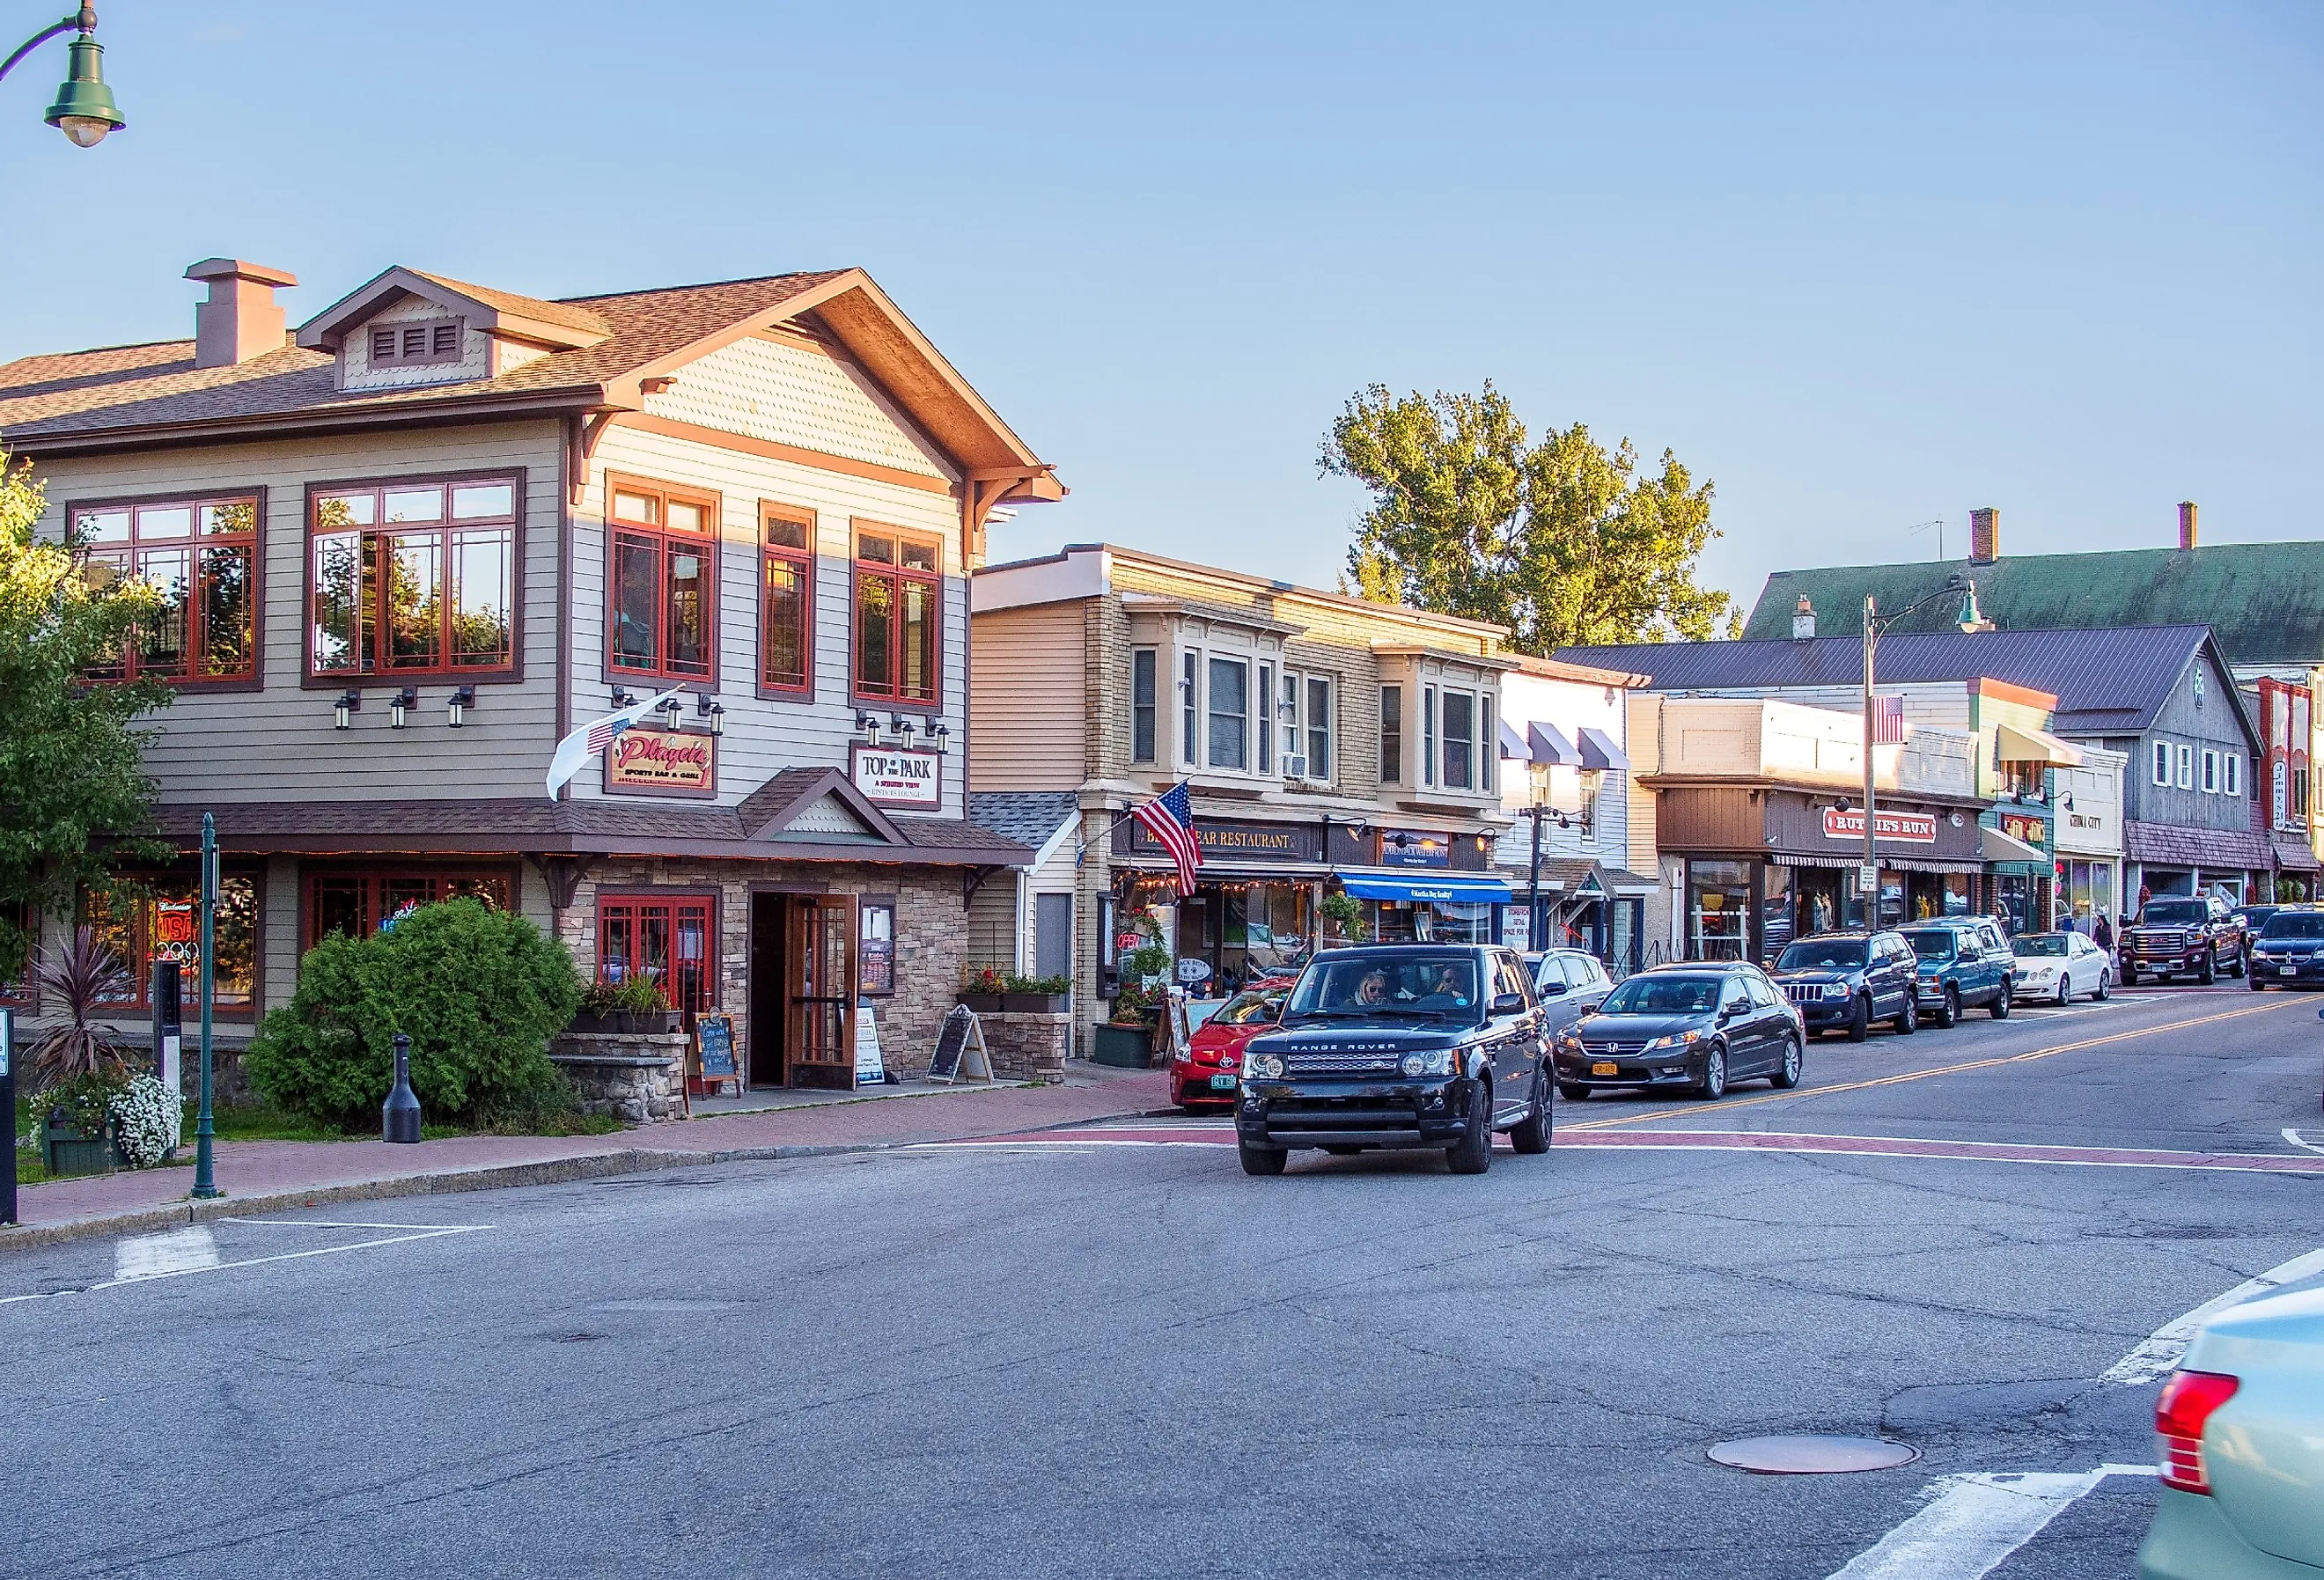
(870, 1071)
(960, 1054)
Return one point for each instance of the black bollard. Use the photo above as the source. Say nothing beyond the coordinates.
(399, 1116)
(7, 1116)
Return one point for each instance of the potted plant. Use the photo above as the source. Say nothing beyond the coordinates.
(1127, 1040)
(1346, 912)
(1035, 995)
(74, 1121)
(634, 1005)
(982, 989)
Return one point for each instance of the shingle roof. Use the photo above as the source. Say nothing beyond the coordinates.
(1026, 816)
(157, 385)
(2104, 681)
(2265, 601)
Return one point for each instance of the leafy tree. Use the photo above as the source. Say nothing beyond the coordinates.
(73, 792)
(1563, 541)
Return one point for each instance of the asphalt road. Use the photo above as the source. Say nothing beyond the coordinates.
(1092, 1354)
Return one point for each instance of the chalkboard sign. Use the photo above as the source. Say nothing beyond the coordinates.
(960, 1052)
(714, 1036)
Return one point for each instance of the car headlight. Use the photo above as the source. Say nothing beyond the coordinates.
(1675, 1039)
(1414, 1064)
(1434, 1061)
(1264, 1065)
(1568, 1040)
(1835, 990)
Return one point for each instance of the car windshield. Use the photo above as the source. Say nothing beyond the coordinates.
(2295, 924)
(1421, 983)
(1251, 1009)
(1821, 954)
(1665, 995)
(2039, 944)
(1933, 945)
(2182, 912)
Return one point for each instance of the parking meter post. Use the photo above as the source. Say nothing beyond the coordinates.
(205, 1181)
(7, 1116)
(169, 1027)
(399, 1116)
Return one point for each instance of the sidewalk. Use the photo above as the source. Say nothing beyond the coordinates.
(277, 1176)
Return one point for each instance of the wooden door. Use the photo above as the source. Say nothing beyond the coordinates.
(819, 969)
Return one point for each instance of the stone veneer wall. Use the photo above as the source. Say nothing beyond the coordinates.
(634, 1077)
(931, 933)
(1027, 1047)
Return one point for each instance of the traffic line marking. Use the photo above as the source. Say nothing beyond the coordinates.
(2297, 1140)
(1974, 1522)
(1905, 1075)
(2161, 1352)
(142, 1261)
(1759, 1140)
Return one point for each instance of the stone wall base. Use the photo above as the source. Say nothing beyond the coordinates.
(1027, 1047)
(638, 1078)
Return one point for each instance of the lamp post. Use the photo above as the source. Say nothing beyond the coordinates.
(1537, 776)
(84, 111)
(1875, 625)
(205, 1184)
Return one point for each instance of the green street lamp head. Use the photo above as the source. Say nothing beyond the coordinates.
(85, 111)
(1970, 620)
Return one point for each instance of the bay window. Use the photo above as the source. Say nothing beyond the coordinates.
(1460, 739)
(412, 578)
(1263, 727)
(1191, 698)
(1142, 705)
(1229, 713)
(786, 600)
(201, 555)
(1391, 734)
(1315, 718)
(899, 604)
(662, 582)
(1428, 735)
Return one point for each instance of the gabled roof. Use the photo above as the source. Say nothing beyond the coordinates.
(2110, 681)
(2265, 601)
(1030, 817)
(605, 349)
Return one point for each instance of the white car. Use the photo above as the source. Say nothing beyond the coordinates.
(2055, 966)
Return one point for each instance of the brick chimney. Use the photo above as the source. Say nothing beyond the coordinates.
(2186, 523)
(1984, 536)
(1804, 620)
(240, 320)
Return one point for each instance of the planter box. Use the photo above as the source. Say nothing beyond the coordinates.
(984, 1003)
(67, 1151)
(1124, 1047)
(1035, 1003)
(627, 1023)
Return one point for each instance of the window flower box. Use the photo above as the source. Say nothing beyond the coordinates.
(984, 1003)
(626, 1023)
(1035, 1003)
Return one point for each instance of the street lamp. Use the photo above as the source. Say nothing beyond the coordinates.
(84, 111)
(1970, 621)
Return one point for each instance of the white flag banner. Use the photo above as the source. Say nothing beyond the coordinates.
(574, 752)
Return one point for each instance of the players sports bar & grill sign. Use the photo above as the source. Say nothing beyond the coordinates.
(644, 762)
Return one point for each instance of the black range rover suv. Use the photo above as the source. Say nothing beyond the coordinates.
(1399, 1045)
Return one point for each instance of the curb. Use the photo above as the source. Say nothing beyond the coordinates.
(454, 1181)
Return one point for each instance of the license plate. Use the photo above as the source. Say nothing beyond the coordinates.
(1603, 1068)
(2287, 971)
(1222, 1083)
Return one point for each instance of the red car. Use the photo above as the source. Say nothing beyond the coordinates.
(1206, 1075)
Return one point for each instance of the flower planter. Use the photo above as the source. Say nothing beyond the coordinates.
(984, 1003)
(1035, 1003)
(626, 1023)
(1123, 1047)
(68, 1151)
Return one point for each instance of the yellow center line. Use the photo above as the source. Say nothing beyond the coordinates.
(1699, 1111)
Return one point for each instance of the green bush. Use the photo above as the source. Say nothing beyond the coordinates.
(480, 992)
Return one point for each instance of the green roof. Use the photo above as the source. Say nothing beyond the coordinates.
(2265, 601)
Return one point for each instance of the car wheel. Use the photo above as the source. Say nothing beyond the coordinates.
(2257, 985)
(2065, 989)
(2104, 987)
(1262, 1159)
(2210, 973)
(2242, 967)
(1713, 1085)
(1910, 1021)
(1859, 1019)
(1787, 1074)
(2129, 975)
(1473, 1152)
(1573, 1094)
(1949, 1008)
(1999, 1009)
(1531, 1135)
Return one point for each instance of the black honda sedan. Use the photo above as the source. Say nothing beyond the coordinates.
(1699, 1026)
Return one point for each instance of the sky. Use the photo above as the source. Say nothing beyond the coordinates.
(1862, 267)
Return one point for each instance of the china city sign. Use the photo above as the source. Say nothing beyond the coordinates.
(898, 776)
(1909, 827)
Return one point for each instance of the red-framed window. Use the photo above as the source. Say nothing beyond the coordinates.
(202, 556)
(355, 900)
(899, 614)
(786, 601)
(416, 577)
(672, 938)
(662, 581)
(125, 929)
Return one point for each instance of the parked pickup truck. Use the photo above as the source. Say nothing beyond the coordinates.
(2198, 937)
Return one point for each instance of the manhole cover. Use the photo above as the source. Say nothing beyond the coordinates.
(1815, 1454)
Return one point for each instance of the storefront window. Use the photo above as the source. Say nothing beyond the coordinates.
(1776, 921)
(1241, 929)
(125, 931)
(354, 902)
(1718, 909)
(667, 939)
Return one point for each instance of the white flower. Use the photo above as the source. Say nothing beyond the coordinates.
(148, 1122)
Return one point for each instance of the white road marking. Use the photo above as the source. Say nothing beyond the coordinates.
(160, 1256)
(218, 1266)
(1974, 1522)
(2161, 1352)
(2295, 1138)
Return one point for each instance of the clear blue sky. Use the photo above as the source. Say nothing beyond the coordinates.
(1863, 265)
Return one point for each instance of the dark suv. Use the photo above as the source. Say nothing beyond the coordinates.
(1845, 981)
(2196, 937)
(1700, 1025)
(1399, 1045)
(1962, 961)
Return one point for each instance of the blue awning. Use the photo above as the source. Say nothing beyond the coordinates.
(1448, 888)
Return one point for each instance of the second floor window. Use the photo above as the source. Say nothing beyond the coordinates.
(786, 601)
(1391, 737)
(1315, 720)
(899, 604)
(1460, 740)
(2163, 763)
(1142, 712)
(2234, 769)
(412, 578)
(202, 556)
(664, 581)
(1229, 714)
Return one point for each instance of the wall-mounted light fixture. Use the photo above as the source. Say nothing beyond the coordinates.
(938, 731)
(901, 727)
(867, 724)
(714, 712)
(669, 706)
(620, 698)
(456, 706)
(400, 704)
(350, 701)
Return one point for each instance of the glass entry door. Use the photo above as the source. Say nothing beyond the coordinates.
(819, 970)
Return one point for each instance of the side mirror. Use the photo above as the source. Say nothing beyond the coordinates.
(1510, 1004)
(1551, 989)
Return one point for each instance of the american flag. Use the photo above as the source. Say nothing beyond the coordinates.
(592, 739)
(1170, 818)
(1887, 720)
